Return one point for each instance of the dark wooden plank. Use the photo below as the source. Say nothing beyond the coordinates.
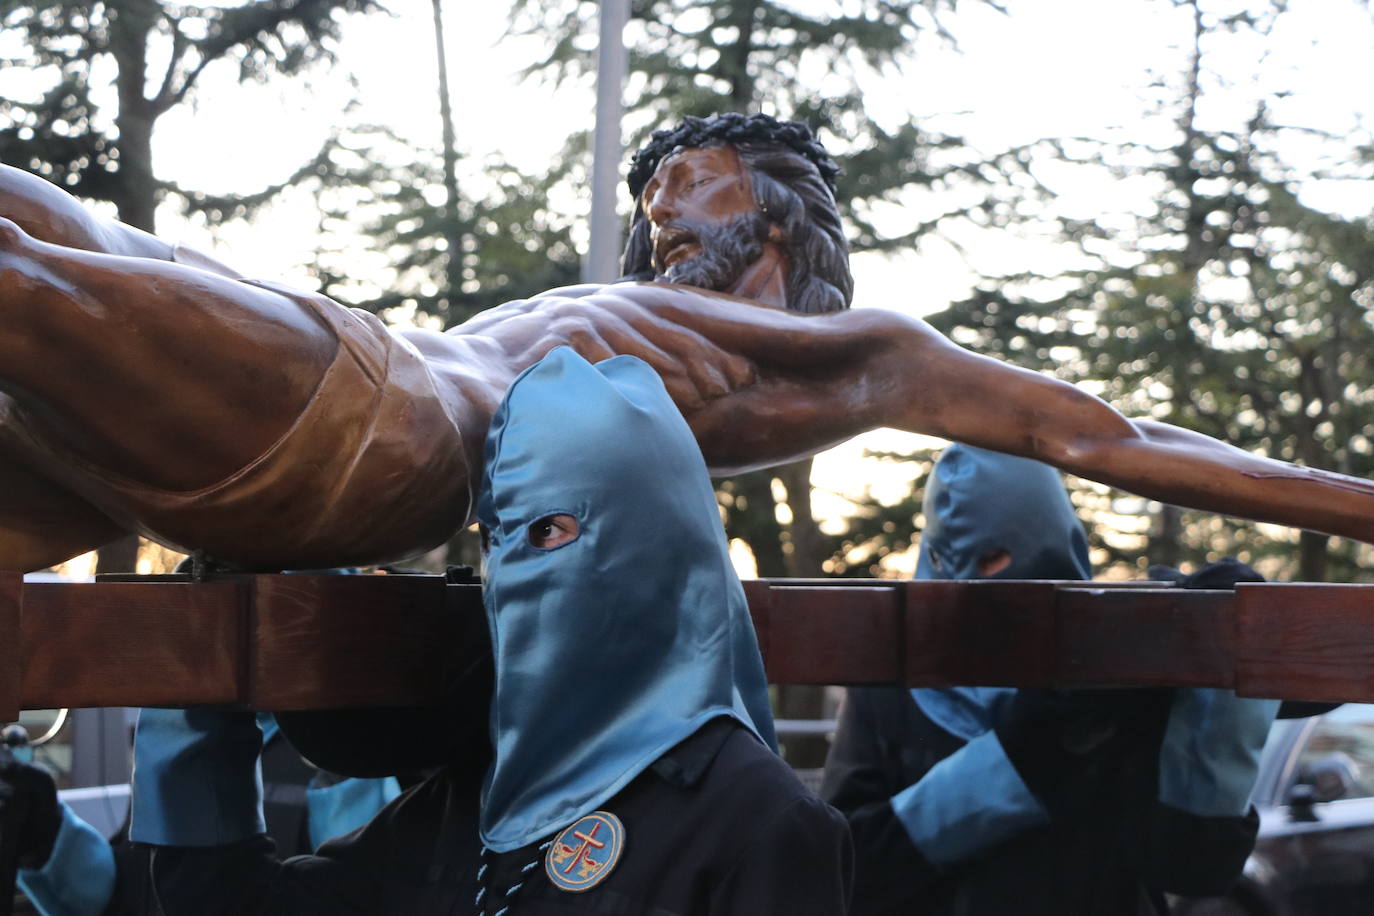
(323, 642)
(1305, 642)
(990, 633)
(1183, 638)
(390, 641)
(759, 596)
(10, 658)
(834, 635)
(131, 644)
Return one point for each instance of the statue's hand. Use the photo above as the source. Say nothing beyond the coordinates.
(695, 368)
(758, 385)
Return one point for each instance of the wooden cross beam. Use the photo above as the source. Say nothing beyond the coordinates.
(281, 642)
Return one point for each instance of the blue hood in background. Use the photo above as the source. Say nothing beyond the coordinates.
(978, 501)
(611, 648)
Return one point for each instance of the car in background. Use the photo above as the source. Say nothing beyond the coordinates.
(1314, 855)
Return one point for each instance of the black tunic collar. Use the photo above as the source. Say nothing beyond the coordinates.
(685, 765)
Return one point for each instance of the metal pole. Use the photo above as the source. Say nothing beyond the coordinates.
(603, 252)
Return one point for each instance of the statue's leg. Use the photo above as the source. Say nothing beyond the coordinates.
(166, 375)
(42, 523)
(269, 427)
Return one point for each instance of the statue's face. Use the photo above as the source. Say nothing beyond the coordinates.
(705, 225)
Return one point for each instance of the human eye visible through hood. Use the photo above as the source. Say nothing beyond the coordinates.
(553, 531)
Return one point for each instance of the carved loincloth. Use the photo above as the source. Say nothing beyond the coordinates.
(372, 470)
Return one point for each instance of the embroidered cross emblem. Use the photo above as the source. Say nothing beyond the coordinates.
(585, 852)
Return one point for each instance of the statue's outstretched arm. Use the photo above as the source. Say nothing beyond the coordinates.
(761, 386)
(981, 401)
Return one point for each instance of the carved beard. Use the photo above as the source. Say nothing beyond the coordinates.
(727, 250)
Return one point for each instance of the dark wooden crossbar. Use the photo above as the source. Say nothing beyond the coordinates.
(318, 642)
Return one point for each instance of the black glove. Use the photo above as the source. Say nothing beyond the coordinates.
(29, 810)
(1223, 574)
(1064, 743)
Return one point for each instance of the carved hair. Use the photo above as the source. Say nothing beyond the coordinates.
(793, 180)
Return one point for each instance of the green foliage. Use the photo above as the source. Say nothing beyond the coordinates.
(876, 530)
(95, 143)
(816, 66)
(1234, 309)
(510, 244)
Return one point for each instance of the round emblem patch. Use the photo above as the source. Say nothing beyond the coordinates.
(583, 855)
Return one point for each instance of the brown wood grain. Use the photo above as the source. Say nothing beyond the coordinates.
(391, 640)
(1305, 642)
(757, 593)
(990, 633)
(132, 643)
(319, 642)
(834, 635)
(1183, 638)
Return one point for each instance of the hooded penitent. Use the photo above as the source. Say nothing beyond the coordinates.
(978, 502)
(615, 646)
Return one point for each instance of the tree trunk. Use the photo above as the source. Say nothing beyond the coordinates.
(130, 27)
(743, 15)
(801, 701)
(757, 524)
(1166, 536)
(119, 556)
(1312, 556)
(807, 541)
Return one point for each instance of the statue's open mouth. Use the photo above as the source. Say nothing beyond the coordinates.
(675, 244)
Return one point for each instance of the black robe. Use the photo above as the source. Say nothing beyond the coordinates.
(1109, 849)
(719, 825)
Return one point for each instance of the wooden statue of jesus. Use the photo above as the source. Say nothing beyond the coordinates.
(149, 389)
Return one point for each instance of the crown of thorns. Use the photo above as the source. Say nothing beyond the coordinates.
(732, 128)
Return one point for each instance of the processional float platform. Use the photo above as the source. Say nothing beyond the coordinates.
(299, 642)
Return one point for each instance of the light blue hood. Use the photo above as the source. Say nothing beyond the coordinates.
(611, 648)
(976, 502)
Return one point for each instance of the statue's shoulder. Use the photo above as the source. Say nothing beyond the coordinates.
(574, 291)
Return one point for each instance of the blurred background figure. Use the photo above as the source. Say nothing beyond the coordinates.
(67, 868)
(993, 800)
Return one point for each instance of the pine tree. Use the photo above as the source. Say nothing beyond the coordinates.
(1233, 308)
(100, 146)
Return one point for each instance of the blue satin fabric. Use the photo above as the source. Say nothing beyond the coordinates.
(1209, 759)
(978, 501)
(197, 778)
(967, 803)
(345, 806)
(614, 647)
(79, 877)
